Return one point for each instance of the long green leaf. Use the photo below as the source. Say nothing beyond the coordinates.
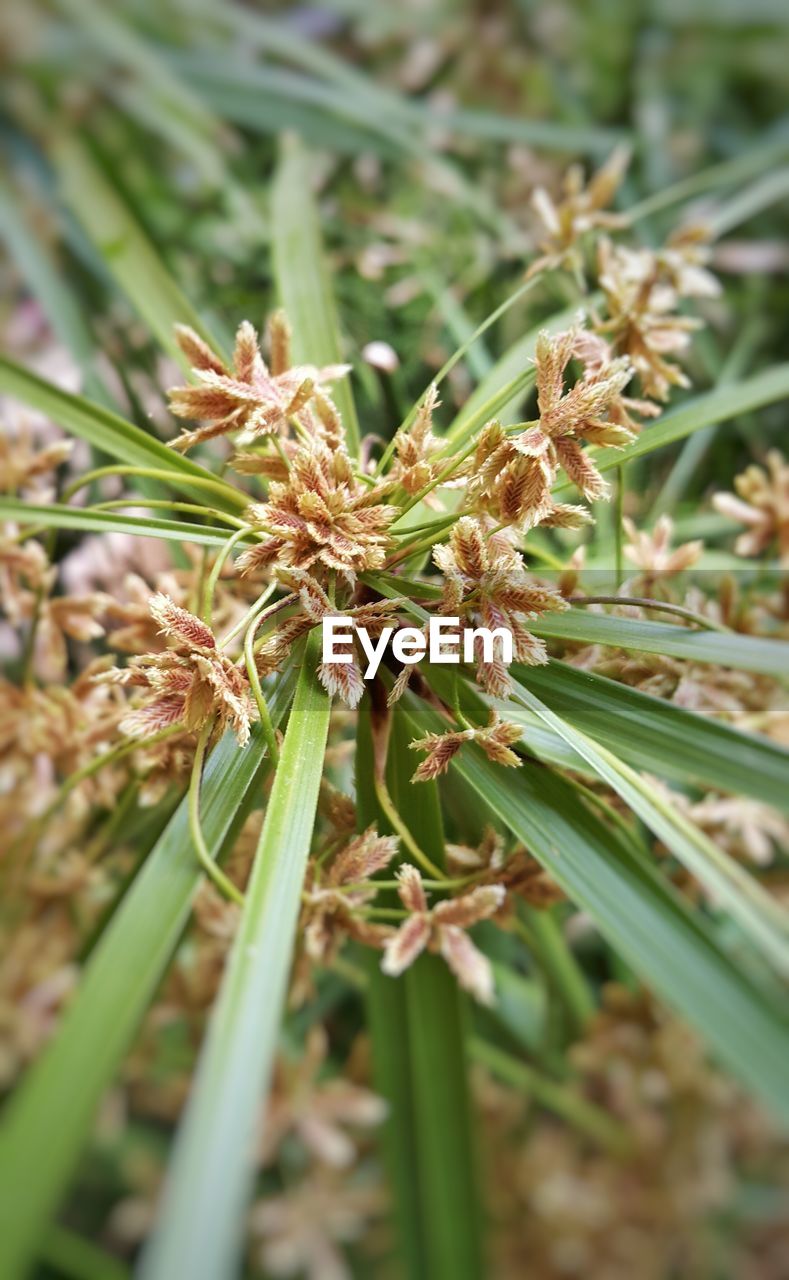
(109, 432)
(302, 276)
(421, 1062)
(60, 517)
(659, 736)
(212, 1166)
(240, 94)
(34, 261)
(719, 405)
(746, 653)
(123, 245)
(760, 917)
(150, 90)
(641, 915)
(49, 1119)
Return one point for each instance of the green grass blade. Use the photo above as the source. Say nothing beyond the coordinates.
(404, 116)
(745, 653)
(269, 99)
(758, 914)
(421, 1062)
(772, 188)
(149, 88)
(752, 163)
(108, 432)
(639, 914)
(212, 1165)
(493, 126)
(34, 261)
(49, 1119)
(397, 120)
(719, 405)
(661, 737)
(302, 276)
(59, 517)
(123, 245)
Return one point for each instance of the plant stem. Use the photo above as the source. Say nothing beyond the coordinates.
(222, 882)
(257, 690)
(561, 966)
(206, 607)
(133, 500)
(93, 766)
(387, 804)
(153, 473)
(563, 1101)
(618, 515)
(645, 602)
(457, 355)
(257, 614)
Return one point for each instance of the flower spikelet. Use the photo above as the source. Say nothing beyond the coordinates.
(322, 516)
(511, 476)
(442, 930)
(761, 503)
(246, 395)
(495, 739)
(188, 683)
(332, 900)
(415, 446)
(485, 581)
(581, 208)
(642, 289)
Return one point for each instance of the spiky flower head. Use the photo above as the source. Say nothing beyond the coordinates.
(246, 396)
(188, 684)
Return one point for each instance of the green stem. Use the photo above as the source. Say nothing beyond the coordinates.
(387, 804)
(73, 1256)
(98, 762)
(256, 613)
(257, 691)
(153, 473)
(444, 474)
(646, 602)
(567, 1103)
(194, 508)
(457, 355)
(209, 587)
(215, 873)
(115, 820)
(618, 527)
(561, 966)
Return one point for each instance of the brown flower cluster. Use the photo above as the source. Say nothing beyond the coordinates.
(189, 684)
(343, 679)
(582, 207)
(512, 475)
(332, 899)
(642, 291)
(442, 929)
(248, 396)
(761, 503)
(485, 581)
(495, 739)
(414, 466)
(653, 1209)
(321, 517)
